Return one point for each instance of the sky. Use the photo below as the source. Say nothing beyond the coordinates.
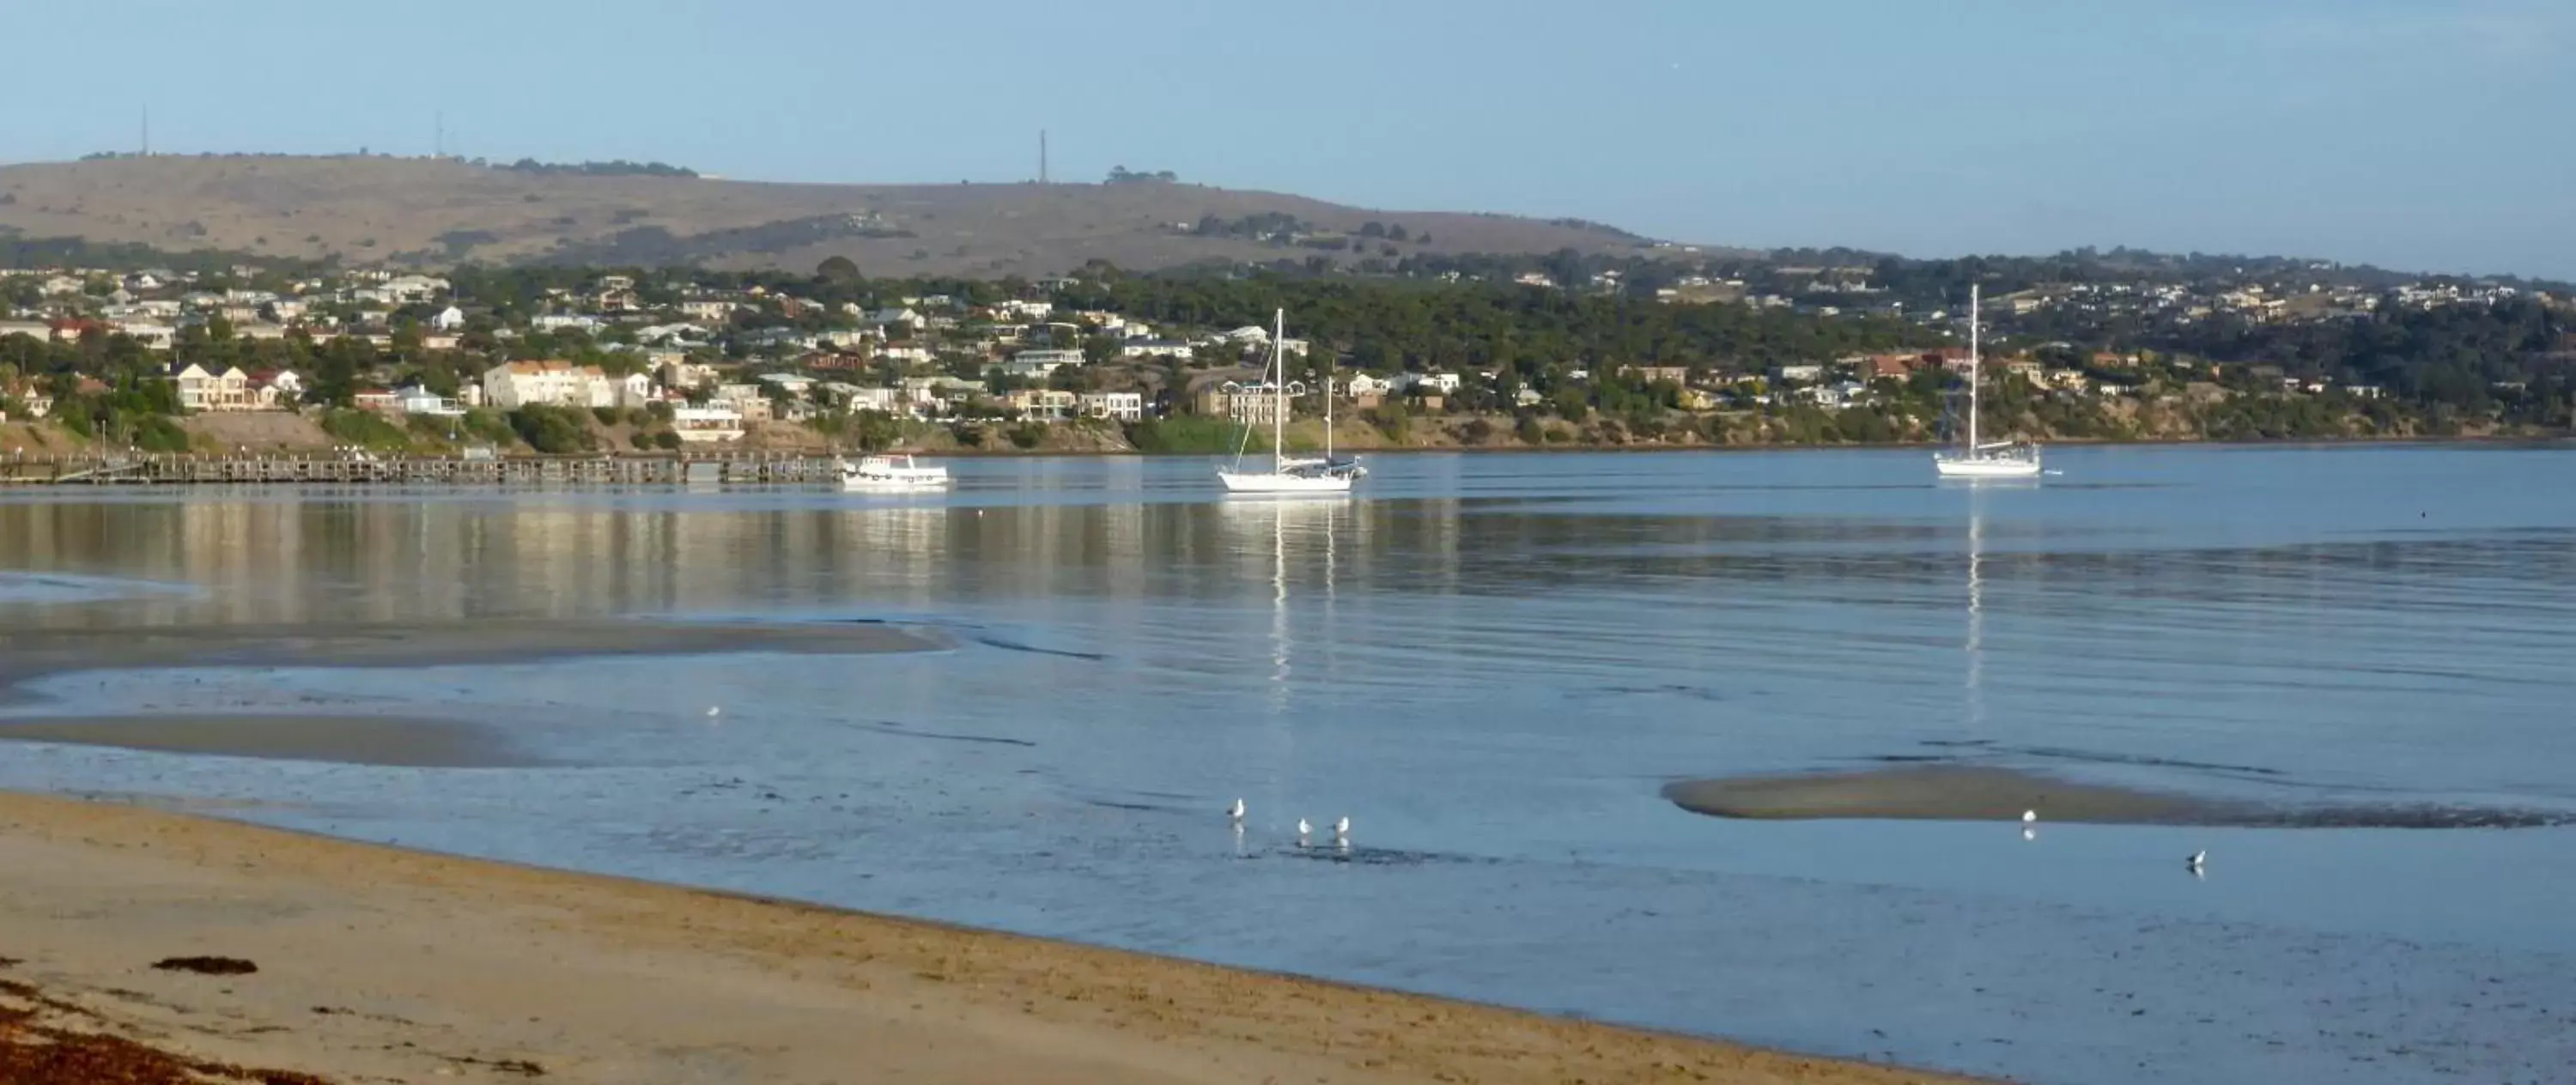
(2432, 135)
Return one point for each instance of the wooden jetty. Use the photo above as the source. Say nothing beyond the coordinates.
(347, 469)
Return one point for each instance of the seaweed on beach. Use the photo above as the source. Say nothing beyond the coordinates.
(34, 1052)
(207, 966)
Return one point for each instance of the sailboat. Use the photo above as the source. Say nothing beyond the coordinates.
(1999, 459)
(1289, 474)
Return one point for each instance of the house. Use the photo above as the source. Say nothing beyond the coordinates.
(1245, 405)
(412, 289)
(519, 384)
(709, 310)
(1114, 406)
(790, 383)
(204, 390)
(1043, 404)
(685, 375)
(1366, 385)
(905, 354)
(555, 322)
(713, 423)
(417, 400)
(377, 401)
(450, 319)
(1040, 363)
(746, 400)
(276, 389)
(904, 317)
(149, 333)
(1678, 374)
(1428, 383)
(1026, 310)
(1802, 373)
(1155, 348)
(62, 286)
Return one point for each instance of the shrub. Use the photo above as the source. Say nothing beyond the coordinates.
(551, 430)
(363, 428)
(667, 441)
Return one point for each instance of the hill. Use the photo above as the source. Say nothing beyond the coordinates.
(435, 212)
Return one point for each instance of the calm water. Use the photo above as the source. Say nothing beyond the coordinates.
(1491, 663)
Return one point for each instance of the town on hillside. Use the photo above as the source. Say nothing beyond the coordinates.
(1548, 351)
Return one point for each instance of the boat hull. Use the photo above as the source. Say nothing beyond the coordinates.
(1265, 482)
(893, 485)
(1985, 467)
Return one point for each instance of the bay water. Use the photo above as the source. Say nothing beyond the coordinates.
(1492, 664)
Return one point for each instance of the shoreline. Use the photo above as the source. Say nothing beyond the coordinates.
(375, 961)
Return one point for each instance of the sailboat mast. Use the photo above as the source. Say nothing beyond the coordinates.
(1328, 403)
(1279, 417)
(1973, 298)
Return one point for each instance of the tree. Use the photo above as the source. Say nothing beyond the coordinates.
(837, 269)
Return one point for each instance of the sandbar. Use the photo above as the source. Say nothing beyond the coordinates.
(1993, 793)
(392, 741)
(376, 964)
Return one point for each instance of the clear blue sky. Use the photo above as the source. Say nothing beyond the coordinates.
(2425, 134)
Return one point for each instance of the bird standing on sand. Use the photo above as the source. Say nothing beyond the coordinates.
(1234, 813)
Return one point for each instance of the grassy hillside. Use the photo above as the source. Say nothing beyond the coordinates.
(432, 212)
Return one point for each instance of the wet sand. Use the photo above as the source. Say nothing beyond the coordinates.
(380, 964)
(396, 741)
(1986, 793)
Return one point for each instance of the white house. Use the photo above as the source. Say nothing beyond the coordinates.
(415, 399)
(1039, 363)
(448, 320)
(276, 389)
(555, 322)
(151, 334)
(1804, 373)
(1366, 385)
(710, 424)
(412, 289)
(1155, 348)
(518, 384)
(711, 310)
(1115, 406)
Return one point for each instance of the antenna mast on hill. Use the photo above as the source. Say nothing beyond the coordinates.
(147, 131)
(438, 144)
(1042, 162)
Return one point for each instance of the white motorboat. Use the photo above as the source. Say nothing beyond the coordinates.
(1290, 474)
(893, 473)
(1995, 459)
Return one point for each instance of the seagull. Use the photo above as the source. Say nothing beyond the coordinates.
(2198, 860)
(1234, 813)
(1303, 831)
(714, 711)
(2028, 816)
(1342, 828)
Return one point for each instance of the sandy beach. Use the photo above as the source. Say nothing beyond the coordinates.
(376, 964)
